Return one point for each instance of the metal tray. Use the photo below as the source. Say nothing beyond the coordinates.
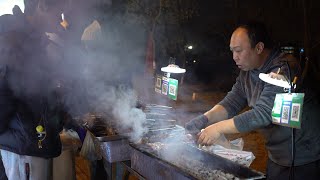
(152, 167)
(115, 148)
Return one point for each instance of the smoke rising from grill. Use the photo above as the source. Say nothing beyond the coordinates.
(90, 76)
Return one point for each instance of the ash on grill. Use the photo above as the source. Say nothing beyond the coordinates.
(197, 169)
(191, 166)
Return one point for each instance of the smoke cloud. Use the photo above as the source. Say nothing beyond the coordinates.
(90, 76)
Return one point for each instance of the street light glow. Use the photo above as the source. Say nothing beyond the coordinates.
(190, 47)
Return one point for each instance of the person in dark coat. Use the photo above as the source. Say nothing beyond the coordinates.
(32, 113)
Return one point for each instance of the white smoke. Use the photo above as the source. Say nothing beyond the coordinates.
(129, 117)
(94, 78)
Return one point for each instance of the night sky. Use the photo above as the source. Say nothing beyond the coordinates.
(211, 29)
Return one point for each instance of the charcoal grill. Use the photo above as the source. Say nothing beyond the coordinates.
(189, 163)
(116, 147)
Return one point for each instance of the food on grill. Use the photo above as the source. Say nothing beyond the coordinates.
(157, 146)
(197, 169)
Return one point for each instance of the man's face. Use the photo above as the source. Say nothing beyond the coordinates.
(245, 56)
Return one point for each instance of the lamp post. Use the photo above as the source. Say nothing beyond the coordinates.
(169, 85)
(172, 68)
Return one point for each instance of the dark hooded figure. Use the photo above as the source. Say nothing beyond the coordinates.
(31, 110)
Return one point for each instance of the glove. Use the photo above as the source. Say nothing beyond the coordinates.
(195, 125)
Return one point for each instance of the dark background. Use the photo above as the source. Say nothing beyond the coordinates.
(290, 22)
(207, 25)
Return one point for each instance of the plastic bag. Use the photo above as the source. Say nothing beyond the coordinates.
(91, 148)
(231, 150)
(222, 141)
(240, 157)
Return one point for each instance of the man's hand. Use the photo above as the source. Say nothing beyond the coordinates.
(209, 135)
(195, 125)
(213, 132)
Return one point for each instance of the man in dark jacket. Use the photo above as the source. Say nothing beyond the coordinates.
(253, 54)
(31, 113)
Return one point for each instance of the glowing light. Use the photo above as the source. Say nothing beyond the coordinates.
(172, 68)
(190, 47)
(275, 79)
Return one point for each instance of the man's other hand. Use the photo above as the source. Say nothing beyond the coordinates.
(195, 125)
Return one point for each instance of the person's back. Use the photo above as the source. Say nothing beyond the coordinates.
(31, 114)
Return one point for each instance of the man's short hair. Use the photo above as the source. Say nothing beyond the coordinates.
(257, 32)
